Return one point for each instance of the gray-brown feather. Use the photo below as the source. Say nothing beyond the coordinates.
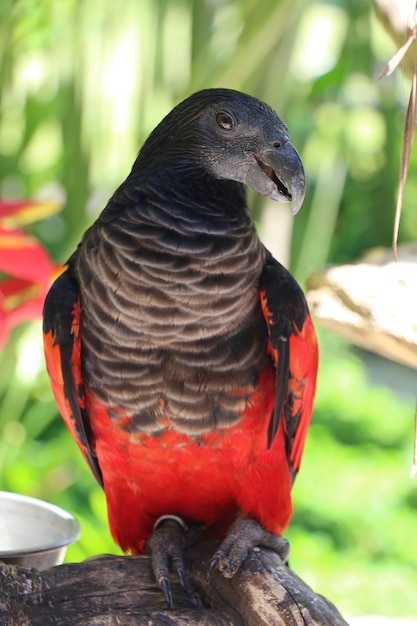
(171, 321)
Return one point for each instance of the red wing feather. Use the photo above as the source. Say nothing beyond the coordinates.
(302, 385)
(293, 346)
(62, 344)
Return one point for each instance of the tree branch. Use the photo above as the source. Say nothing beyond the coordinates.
(110, 590)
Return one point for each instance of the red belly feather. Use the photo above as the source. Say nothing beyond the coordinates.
(204, 480)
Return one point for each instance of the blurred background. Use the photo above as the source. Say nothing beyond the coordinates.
(82, 83)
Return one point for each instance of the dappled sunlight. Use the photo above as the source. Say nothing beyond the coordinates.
(320, 40)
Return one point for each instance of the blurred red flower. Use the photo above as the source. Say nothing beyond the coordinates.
(26, 269)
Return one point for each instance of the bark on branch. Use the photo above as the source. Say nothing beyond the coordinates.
(110, 590)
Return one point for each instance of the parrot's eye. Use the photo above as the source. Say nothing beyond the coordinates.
(225, 120)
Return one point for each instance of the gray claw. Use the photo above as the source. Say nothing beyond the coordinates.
(167, 546)
(243, 535)
(165, 585)
(214, 564)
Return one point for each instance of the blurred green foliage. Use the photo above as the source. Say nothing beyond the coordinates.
(82, 83)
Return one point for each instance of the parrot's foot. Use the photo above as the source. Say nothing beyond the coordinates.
(244, 534)
(167, 544)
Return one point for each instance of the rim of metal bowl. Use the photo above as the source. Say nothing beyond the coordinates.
(73, 524)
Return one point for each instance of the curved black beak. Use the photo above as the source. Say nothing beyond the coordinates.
(278, 173)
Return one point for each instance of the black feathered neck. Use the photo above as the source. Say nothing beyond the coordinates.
(191, 185)
(199, 200)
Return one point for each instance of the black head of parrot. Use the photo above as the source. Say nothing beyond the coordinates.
(231, 136)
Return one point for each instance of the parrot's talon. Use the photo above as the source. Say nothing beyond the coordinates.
(214, 564)
(165, 585)
(245, 534)
(167, 546)
(185, 585)
(182, 578)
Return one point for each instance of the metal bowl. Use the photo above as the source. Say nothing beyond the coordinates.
(34, 533)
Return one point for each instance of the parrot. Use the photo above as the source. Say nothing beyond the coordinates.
(182, 356)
